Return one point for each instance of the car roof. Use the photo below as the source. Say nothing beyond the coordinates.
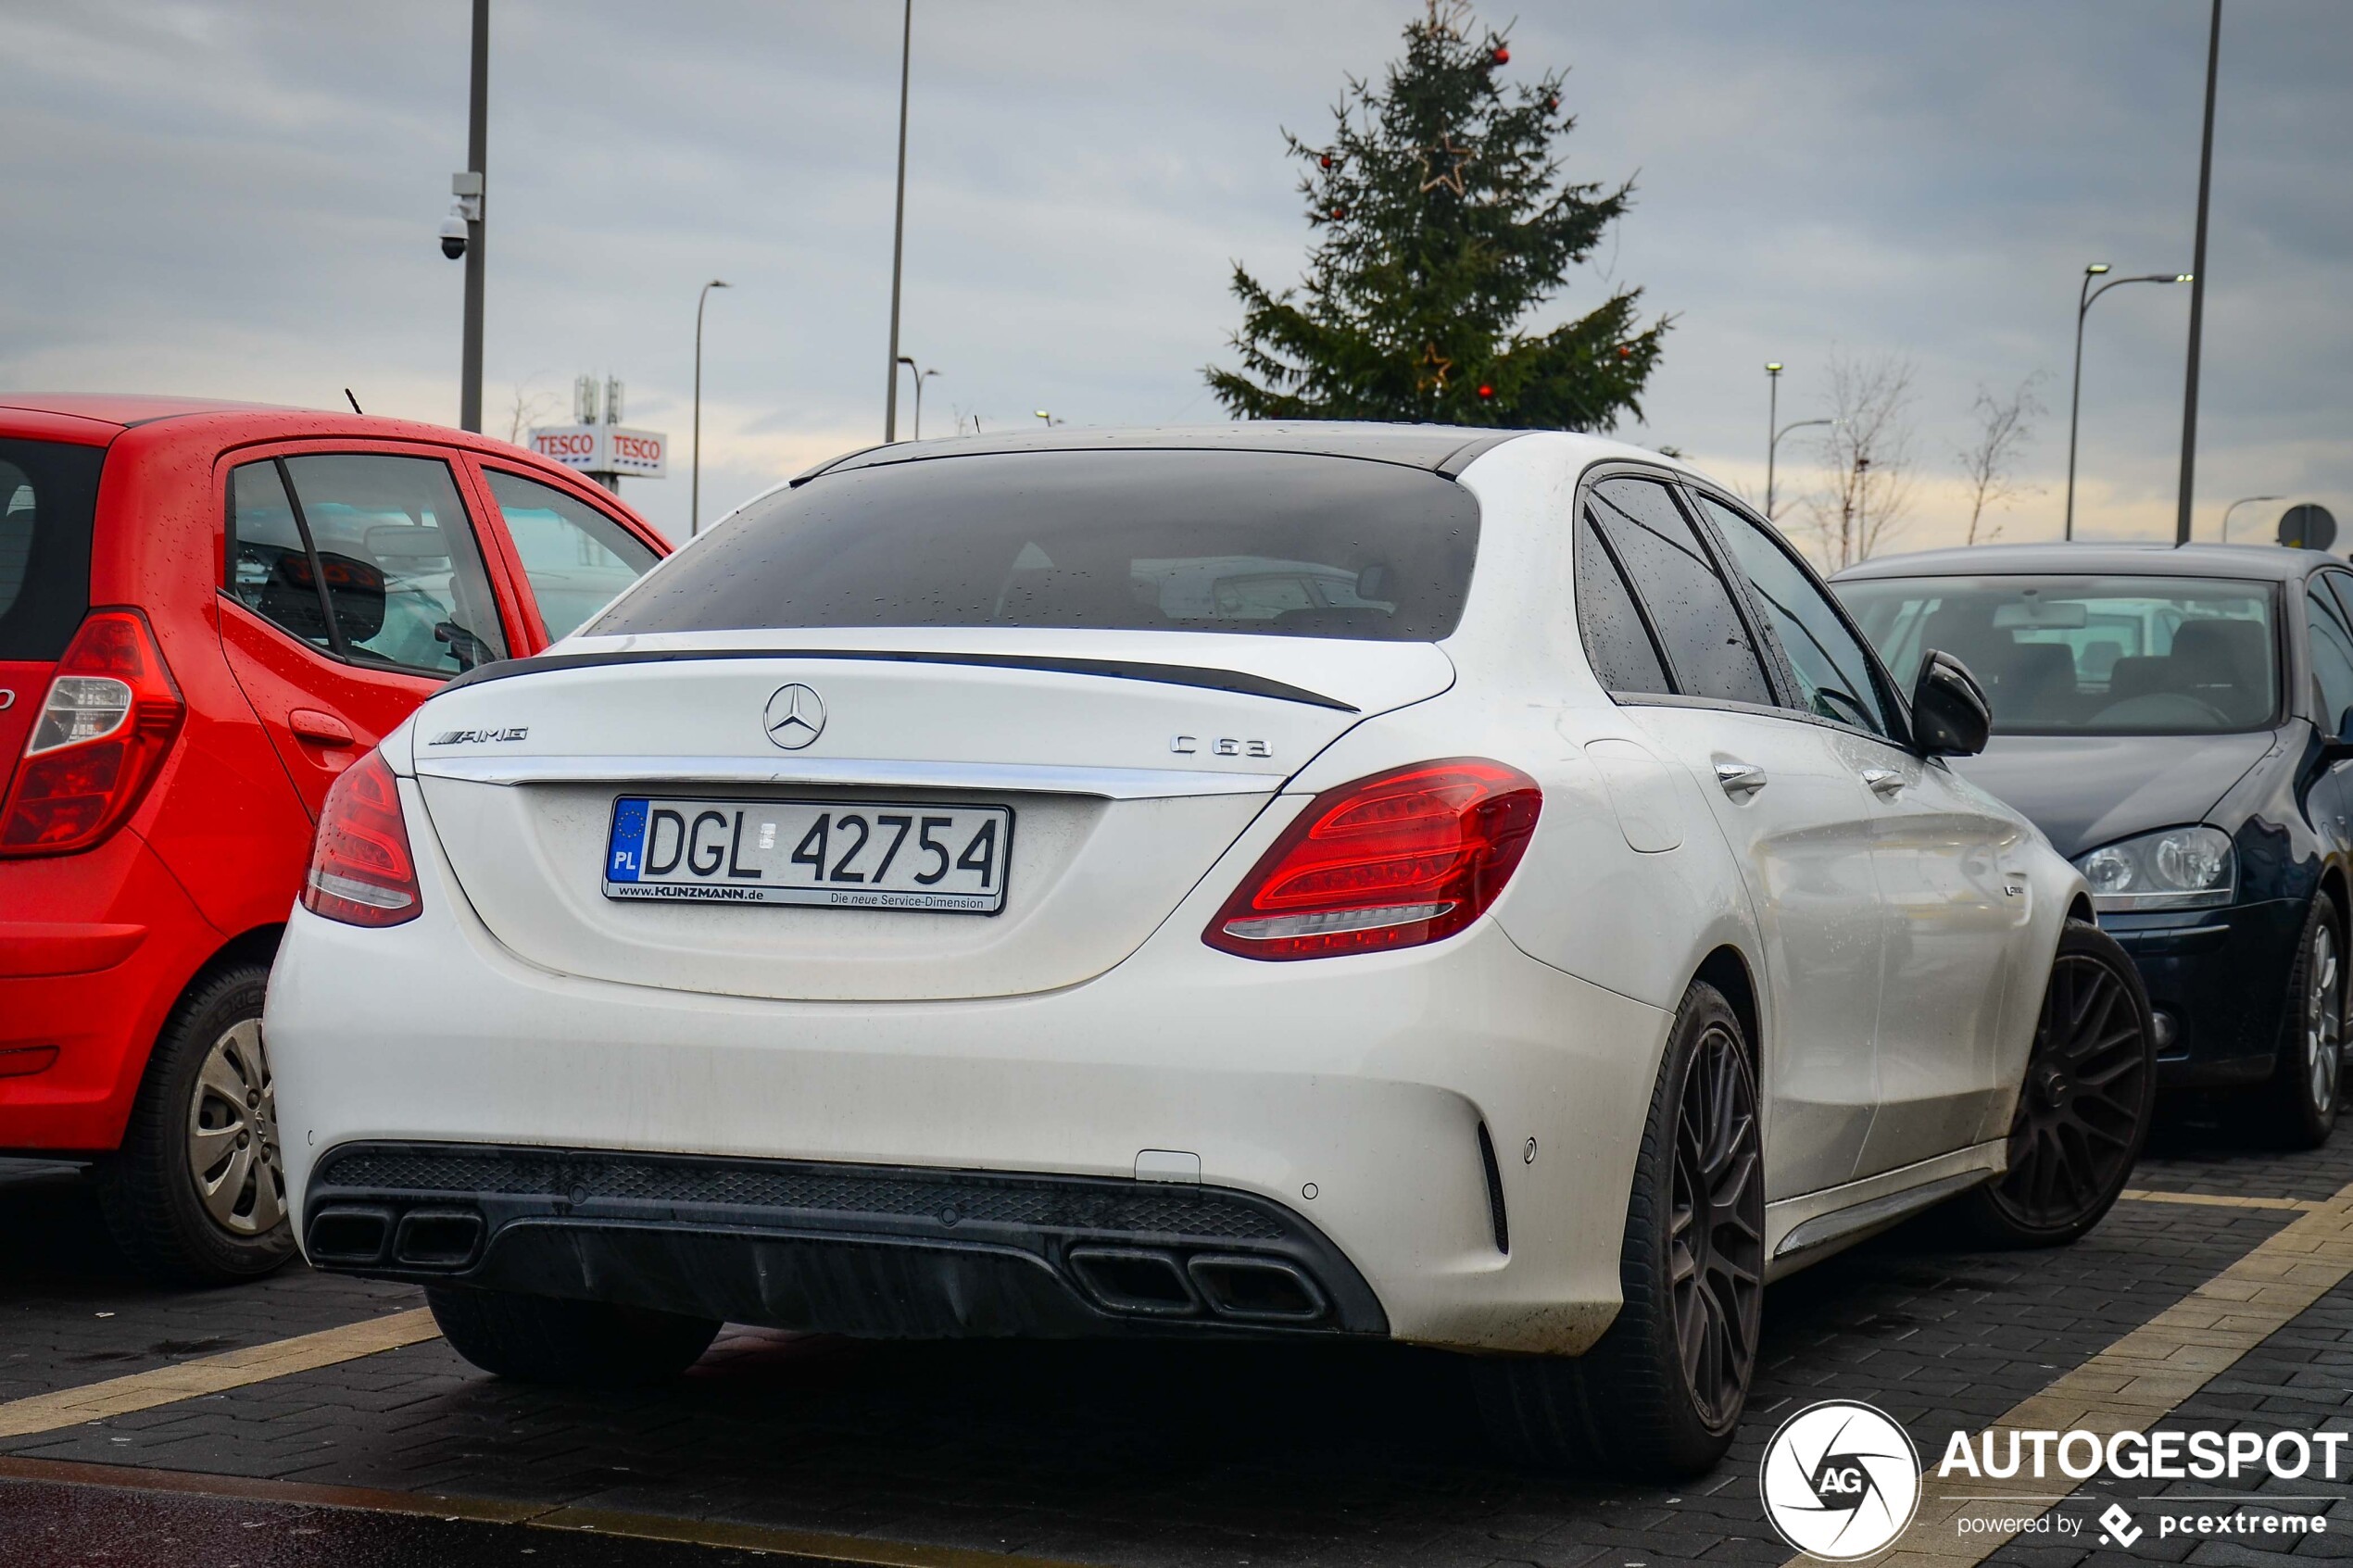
(2267, 562)
(127, 408)
(1446, 449)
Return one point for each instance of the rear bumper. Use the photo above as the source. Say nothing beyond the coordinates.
(2220, 976)
(884, 1252)
(95, 949)
(1347, 1094)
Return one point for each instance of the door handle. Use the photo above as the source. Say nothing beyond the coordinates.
(1741, 779)
(1884, 782)
(318, 729)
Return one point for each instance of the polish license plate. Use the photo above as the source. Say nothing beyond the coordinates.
(833, 854)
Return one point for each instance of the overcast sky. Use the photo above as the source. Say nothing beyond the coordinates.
(243, 199)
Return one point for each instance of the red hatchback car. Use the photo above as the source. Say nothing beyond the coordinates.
(207, 611)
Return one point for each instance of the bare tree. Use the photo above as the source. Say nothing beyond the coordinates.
(531, 405)
(1989, 463)
(1867, 458)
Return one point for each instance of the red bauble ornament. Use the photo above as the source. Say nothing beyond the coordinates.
(1552, 104)
(1339, 212)
(1503, 55)
(1327, 160)
(1485, 390)
(1624, 352)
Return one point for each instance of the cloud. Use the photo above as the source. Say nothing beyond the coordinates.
(242, 198)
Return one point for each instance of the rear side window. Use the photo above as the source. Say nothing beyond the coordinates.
(365, 555)
(576, 558)
(1266, 542)
(1707, 643)
(270, 568)
(48, 495)
(1617, 642)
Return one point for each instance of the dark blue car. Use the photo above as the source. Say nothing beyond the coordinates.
(2176, 721)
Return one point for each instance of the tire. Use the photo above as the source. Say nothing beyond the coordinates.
(2085, 1108)
(2301, 1100)
(1635, 1405)
(196, 1195)
(544, 1339)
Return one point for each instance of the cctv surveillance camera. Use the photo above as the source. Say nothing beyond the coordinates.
(453, 237)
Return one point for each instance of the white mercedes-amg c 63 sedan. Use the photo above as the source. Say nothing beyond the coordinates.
(1463, 887)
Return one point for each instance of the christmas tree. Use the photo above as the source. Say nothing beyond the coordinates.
(1441, 221)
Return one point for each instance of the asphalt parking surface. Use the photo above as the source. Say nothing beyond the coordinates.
(948, 1454)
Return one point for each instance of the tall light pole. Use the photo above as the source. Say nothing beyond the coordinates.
(2084, 296)
(899, 220)
(1775, 445)
(2242, 501)
(693, 484)
(477, 169)
(920, 377)
(1772, 417)
(2197, 287)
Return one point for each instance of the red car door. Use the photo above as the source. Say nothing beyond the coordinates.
(356, 582)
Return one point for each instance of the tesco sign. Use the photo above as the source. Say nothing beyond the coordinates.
(602, 449)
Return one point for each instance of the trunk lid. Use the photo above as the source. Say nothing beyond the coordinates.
(1130, 761)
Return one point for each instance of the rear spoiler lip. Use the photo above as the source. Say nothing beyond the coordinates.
(1236, 680)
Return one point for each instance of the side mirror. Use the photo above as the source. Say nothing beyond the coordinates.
(1951, 716)
(2339, 746)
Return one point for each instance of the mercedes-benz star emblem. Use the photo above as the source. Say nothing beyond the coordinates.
(796, 716)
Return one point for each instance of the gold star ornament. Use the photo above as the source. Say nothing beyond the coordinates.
(1430, 371)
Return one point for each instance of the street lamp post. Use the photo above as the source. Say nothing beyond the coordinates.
(1772, 417)
(2242, 501)
(898, 220)
(693, 484)
(2084, 296)
(2197, 286)
(477, 163)
(1775, 445)
(921, 376)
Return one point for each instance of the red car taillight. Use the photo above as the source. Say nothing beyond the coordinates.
(361, 872)
(1389, 861)
(98, 741)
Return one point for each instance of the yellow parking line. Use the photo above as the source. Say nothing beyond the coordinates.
(2141, 1378)
(2138, 1195)
(231, 1369)
(805, 1544)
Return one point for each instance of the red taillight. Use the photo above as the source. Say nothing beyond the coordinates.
(98, 741)
(361, 872)
(1389, 861)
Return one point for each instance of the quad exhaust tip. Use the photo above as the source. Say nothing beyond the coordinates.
(422, 1238)
(1155, 1284)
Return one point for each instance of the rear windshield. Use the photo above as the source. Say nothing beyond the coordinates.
(1153, 541)
(48, 493)
(2058, 655)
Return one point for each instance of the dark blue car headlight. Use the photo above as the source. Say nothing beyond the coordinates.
(2191, 868)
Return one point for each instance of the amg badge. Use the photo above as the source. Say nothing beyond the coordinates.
(478, 737)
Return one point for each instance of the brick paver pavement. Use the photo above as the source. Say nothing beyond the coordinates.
(1171, 1454)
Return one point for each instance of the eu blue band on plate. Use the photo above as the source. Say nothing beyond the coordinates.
(628, 854)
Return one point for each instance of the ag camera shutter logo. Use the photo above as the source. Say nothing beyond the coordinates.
(1841, 1480)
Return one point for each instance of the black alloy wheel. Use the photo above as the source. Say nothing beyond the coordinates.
(2084, 1109)
(2306, 1085)
(1715, 1234)
(1660, 1394)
